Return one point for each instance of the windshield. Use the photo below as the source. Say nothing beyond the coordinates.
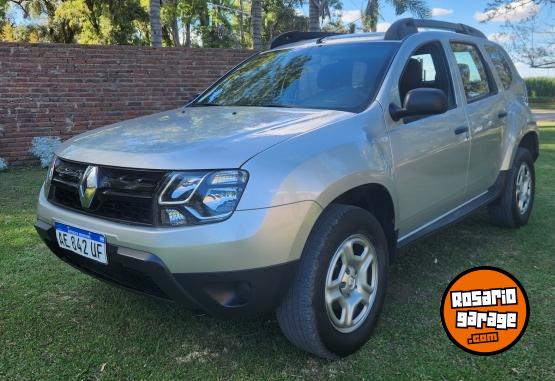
(336, 76)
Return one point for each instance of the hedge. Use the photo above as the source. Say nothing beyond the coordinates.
(541, 87)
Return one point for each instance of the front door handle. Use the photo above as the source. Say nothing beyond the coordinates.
(502, 114)
(461, 130)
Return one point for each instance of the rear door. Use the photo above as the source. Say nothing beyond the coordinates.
(485, 110)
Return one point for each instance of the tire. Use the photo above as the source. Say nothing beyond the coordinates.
(305, 317)
(509, 210)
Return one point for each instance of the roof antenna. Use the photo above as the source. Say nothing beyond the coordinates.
(321, 39)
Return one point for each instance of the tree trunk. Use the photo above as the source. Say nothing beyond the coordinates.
(314, 15)
(241, 24)
(175, 31)
(155, 25)
(256, 21)
(188, 34)
(174, 26)
(371, 15)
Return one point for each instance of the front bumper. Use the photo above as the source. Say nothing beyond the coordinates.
(249, 239)
(224, 294)
(238, 267)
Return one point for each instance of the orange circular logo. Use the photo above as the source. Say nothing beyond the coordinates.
(485, 310)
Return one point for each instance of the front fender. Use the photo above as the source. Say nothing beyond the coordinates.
(322, 164)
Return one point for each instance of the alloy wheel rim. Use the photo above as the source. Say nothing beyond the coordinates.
(351, 283)
(523, 189)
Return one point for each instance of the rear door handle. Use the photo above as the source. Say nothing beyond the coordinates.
(502, 114)
(461, 130)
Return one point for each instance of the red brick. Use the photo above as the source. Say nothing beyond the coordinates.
(42, 86)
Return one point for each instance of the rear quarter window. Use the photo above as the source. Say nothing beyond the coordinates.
(501, 65)
(476, 78)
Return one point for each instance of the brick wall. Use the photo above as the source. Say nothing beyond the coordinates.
(63, 90)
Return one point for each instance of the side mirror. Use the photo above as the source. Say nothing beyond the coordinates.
(421, 101)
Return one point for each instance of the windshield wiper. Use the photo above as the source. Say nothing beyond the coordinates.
(275, 105)
(206, 104)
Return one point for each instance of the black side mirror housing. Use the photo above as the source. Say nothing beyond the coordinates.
(419, 102)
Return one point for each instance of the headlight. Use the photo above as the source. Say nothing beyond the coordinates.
(49, 176)
(190, 198)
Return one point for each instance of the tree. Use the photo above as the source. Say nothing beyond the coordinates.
(192, 14)
(241, 32)
(82, 21)
(496, 8)
(314, 15)
(206, 23)
(256, 24)
(530, 42)
(155, 25)
(3, 6)
(170, 27)
(281, 16)
(106, 21)
(57, 28)
(319, 10)
(528, 39)
(371, 14)
(121, 17)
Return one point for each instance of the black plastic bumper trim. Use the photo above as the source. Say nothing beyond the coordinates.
(243, 293)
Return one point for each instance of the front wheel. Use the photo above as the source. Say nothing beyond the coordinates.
(514, 205)
(335, 300)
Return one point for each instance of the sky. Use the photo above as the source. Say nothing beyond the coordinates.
(468, 12)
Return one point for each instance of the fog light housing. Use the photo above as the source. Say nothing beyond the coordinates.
(173, 217)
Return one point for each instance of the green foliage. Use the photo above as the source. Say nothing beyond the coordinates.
(83, 21)
(3, 6)
(215, 23)
(207, 23)
(280, 17)
(418, 8)
(541, 87)
(415, 7)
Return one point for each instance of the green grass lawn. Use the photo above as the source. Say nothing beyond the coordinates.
(56, 323)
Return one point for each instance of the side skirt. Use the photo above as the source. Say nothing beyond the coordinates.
(456, 214)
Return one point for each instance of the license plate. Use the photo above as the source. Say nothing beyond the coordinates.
(83, 242)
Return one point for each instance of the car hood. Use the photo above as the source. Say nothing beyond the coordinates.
(194, 137)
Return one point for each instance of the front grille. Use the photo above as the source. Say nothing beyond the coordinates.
(123, 195)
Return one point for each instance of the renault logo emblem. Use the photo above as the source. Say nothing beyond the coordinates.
(89, 185)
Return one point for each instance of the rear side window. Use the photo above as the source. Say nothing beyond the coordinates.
(476, 82)
(501, 65)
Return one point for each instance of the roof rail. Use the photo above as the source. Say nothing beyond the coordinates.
(295, 36)
(405, 27)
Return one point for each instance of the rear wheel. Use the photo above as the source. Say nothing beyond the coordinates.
(337, 295)
(514, 205)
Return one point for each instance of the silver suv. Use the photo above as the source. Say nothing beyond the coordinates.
(289, 184)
